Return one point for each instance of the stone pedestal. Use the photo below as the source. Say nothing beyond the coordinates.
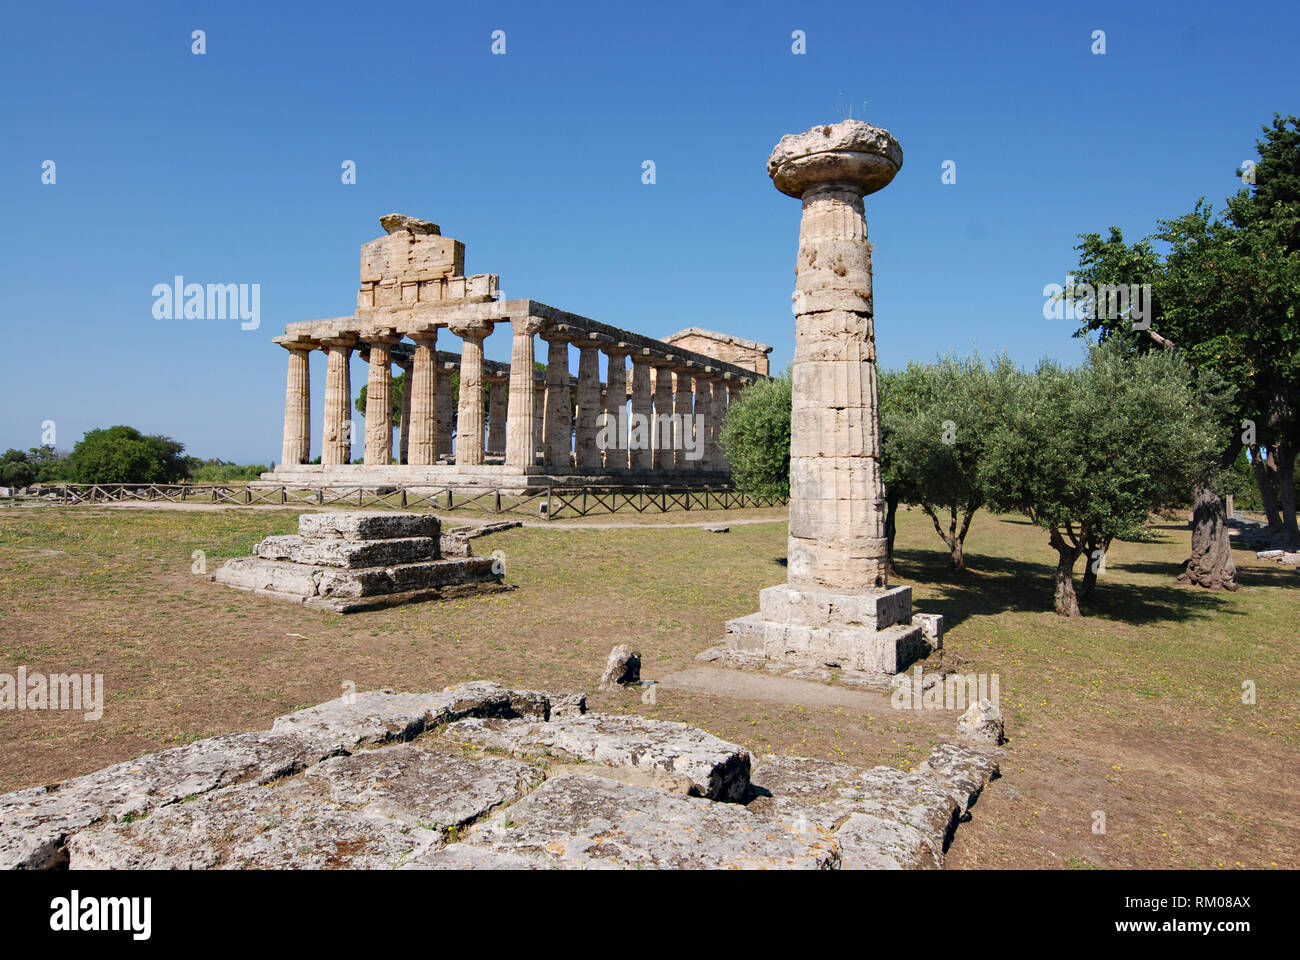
(837, 608)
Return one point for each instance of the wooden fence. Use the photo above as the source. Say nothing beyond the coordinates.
(550, 503)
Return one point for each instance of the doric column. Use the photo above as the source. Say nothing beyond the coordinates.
(616, 407)
(837, 498)
(520, 443)
(539, 416)
(640, 453)
(469, 430)
(718, 411)
(557, 435)
(423, 389)
(379, 399)
(703, 415)
(661, 432)
(404, 446)
(336, 442)
(445, 410)
(297, 403)
(496, 443)
(586, 453)
(684, 414)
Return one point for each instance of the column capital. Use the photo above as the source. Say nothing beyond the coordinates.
(527, 326)
(850, 155)
(470, 328)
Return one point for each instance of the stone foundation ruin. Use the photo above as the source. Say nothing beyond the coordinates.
(482, 777)
(348, 562)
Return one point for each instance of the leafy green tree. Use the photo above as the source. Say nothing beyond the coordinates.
(756, 437)
(1088, 453)
(935, 419)
(1224, 295)
(51, 466)
(16, 470)
(124, 455)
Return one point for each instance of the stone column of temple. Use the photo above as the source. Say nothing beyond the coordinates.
(717, 411)
(616, 408)
(539, 418)
(336, 441)
(684, 413)
(586, 453)
(640, 453)
(445, 410)
(703, 417)
(379, 400)
(521, 445)
(496, 443)
(837, 498)
(661, 430)
(469, 430)
(423, 390)
(558, 433)
(297, 406)
(404, 444)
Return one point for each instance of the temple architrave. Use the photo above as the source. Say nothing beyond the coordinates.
(656, 422)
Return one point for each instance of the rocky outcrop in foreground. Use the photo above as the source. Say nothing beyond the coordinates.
(482, 777)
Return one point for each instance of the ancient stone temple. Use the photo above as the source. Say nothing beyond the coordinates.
(836, 608)
(657, 422)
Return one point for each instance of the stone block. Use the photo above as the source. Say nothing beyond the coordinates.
(338, 552)
(875, 609)
(367, 525)
(931, 625)
(746, 633)
(590, 822)
(718, 770)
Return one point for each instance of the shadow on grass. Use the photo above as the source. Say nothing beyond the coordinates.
(1246, 576)
(993, 585)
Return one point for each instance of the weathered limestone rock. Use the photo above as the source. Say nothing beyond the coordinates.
(35, 823)
(982, 723)
(718, 770)
(360, 782)
(623, 667)
(382, 716)
(368, 526)
(590, 822)
(336, 552)
(932, 627)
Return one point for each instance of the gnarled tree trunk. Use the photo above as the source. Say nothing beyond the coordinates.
(1067, 603)
(1265, 478)
(1286, 492)
(1210, 564)
(891, 527)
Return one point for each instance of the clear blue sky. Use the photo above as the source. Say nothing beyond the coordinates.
(226, 168)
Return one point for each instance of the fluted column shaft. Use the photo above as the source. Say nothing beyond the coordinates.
(469, 430)
(336, 443)
(661, 434)
(558, 432)
(496, 443)
(520, 414)
(445, 408)
(423, 390)
(404, 446)
(297, 408)
(586, 453)
(616, 408)
(684, 410)
(703, 414)
(640, 452)
(379, 402)
(837, 496)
